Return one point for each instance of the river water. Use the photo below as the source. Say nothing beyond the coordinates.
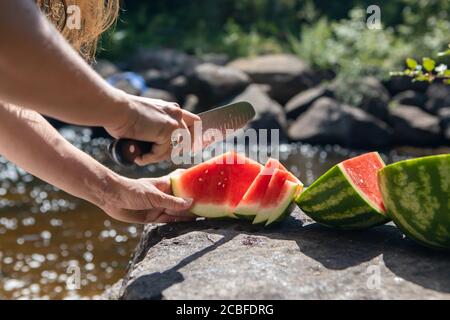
(47, 237)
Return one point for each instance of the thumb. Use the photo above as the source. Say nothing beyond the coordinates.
(166, 201)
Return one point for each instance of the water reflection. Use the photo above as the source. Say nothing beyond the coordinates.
(44, 231)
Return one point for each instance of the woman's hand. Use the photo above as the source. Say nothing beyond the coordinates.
(151, 120)
(145, 201)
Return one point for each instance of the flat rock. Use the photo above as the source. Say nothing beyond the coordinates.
(286, 75)
(302, 101)
(213, 83)
(297, 259)
(269, 113)
(413, 126)
(329, 122)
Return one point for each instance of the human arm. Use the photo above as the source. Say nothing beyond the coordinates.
(40, 70)
(28, 140)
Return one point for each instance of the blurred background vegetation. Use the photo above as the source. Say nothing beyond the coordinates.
(330, 35)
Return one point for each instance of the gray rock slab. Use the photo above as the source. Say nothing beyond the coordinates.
(297, 259)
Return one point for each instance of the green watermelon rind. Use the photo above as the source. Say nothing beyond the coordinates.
(285, 204)
(333, 201)
(416, 194)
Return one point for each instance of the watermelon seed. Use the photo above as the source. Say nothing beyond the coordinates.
(200, 179)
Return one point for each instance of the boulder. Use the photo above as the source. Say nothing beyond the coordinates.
(286, 74)
(438, 97)
(410, 98)
(330, 122)
(171, 61)
(269, 114)
(399, 84)
(297, 259)
(413, 126)
(367, 94)
(220, 59)
(159, 94)
(302, 101)
(213, 84)
(105, 68)
(444, 119)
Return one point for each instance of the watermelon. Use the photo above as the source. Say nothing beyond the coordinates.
(348, 196)
(249, 205)
(277, 197)
(217, 185)
(417, 197)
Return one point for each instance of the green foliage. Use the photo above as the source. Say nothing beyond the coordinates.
(428, 70)
(328, 34)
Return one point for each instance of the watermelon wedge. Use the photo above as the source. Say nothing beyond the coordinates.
(217, 185)
(416, 193)
(249, 205)
(275, 193)
(348, 195)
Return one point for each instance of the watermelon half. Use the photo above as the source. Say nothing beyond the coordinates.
(417, 197)
(217, 185)
(348, 195)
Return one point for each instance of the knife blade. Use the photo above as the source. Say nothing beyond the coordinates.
(225, 120)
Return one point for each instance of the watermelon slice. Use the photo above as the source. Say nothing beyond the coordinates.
(416, 193)
(249, 205)
(348, 195)
(277, 197)
(217, 185)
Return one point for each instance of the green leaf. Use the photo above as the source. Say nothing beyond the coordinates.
(444, 53)
(411, 63)
(428, 64)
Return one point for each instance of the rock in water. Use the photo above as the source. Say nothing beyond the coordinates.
(286, 74)
(296, 260)
(413, 126)
(330, 122)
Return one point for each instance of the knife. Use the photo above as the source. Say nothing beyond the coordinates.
(233, 116)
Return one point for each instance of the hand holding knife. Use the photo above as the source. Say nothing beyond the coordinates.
(233, 116)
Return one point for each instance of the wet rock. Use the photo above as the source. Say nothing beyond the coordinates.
(410, 98)
(438, 97)
(414, 126)
(302, 101)
(444, 119)
(213, 84)
(105, 68)
(219, 59)
(285, 74)
(399, 84)
(367, 94)
(296, 259)
(171, 61)
(330, 122)
(159, 94)
(269, 114)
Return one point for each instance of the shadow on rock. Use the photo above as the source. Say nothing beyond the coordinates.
(425, 267)
(151, 286)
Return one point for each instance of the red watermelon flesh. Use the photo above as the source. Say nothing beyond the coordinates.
(250, 202)
(217, 185)
(362, 172)
(270, 198)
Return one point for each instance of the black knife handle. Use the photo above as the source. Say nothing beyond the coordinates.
(125, 151)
